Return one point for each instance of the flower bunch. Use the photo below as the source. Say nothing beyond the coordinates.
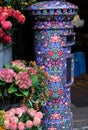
(26, 80)
(23, 118)
(8, 19)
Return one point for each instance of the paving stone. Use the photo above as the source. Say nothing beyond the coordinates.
(80, 118)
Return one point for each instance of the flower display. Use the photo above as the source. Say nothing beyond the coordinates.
(8, 19)
(22, 118)
(25, 81)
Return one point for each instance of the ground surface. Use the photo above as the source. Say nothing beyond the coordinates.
(79, 99)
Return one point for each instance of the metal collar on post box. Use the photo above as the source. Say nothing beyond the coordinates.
(53, 8)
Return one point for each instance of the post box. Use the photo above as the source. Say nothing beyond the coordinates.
(53, 37)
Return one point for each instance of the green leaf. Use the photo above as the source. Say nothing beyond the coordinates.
(12, 89)
(0, 93)
(33, 128)
(2, 83)
(30, 103)
(7, 66)
(24, 92)
(15, 68)
(19, 94)
(35, 80)
(39, 128)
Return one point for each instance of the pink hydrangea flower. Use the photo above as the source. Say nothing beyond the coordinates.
(31, 71)
(19, 64)
(23, 80)
(7, 75)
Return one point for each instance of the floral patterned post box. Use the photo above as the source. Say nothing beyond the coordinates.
(54, 36)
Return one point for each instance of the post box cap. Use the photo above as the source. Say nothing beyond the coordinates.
(53, 8)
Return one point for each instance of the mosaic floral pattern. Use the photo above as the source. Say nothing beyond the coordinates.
(54, 36)
(53, 4)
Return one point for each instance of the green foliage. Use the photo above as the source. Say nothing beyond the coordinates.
(12, 88)
(17, 4)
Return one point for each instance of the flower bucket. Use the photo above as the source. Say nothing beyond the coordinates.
(6, 107)
(80, 56)
(5, 55)
(76, 68)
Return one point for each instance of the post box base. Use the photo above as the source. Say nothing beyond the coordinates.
(58, 124)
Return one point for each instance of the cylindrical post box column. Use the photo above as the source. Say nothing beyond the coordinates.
(54, 36)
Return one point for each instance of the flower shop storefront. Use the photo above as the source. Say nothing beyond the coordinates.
(38, 95)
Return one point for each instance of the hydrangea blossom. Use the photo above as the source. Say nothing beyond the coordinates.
(7, 75)
(23, 80)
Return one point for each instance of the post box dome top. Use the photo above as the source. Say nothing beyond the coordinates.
(48, 5)
(56, 10)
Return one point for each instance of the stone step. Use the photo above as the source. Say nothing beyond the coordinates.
(80, 124)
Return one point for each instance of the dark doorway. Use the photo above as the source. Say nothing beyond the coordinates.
(24, 44)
